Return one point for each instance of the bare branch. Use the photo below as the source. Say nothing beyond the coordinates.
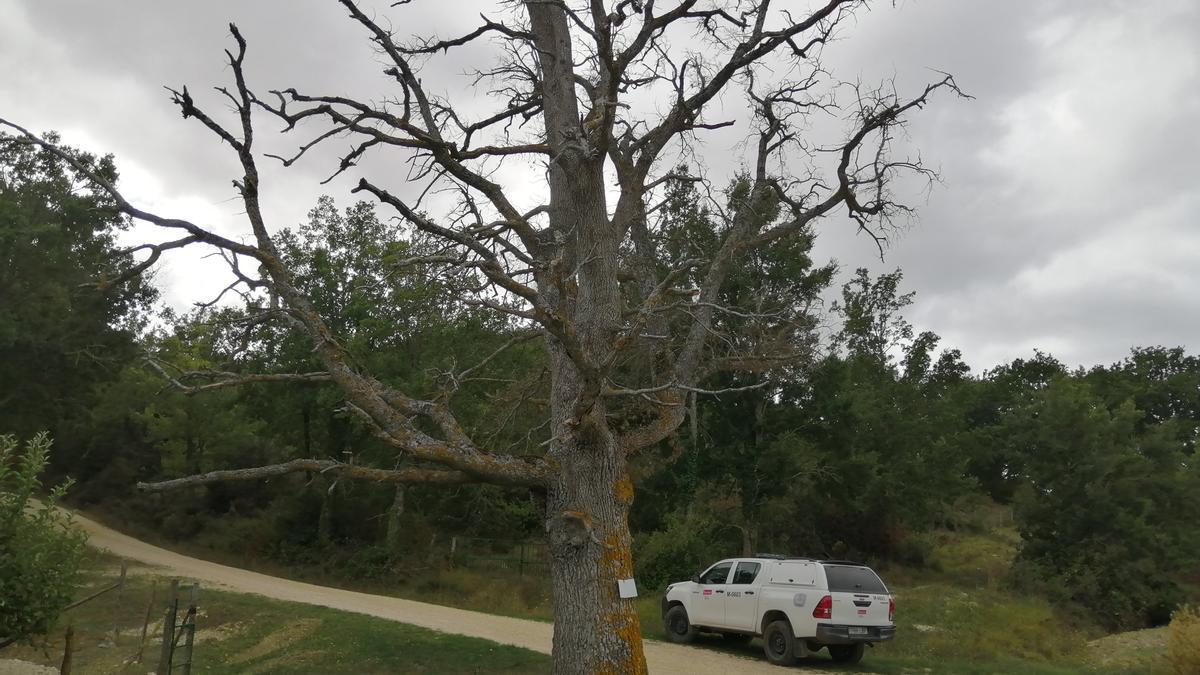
(223, 380)
(324, 466)
(465, 375)
(489, 26)
(682, 387)
(198, 233)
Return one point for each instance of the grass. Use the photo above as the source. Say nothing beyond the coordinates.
(240, 633)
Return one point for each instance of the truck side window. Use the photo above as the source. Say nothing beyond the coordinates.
(746, 572)
(717, 575)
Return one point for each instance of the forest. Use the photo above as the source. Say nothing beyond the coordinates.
(870, 436)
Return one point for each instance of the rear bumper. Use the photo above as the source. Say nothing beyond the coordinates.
(839, 634)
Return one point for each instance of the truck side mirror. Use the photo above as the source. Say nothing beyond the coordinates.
(696, 578)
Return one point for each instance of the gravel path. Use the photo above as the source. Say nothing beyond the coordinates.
(15, 667)
(1131, 649)
(665, 659)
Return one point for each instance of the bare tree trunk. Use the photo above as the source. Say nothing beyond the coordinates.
(325, 517)
(747, 542)
(587, 524)
(589, 496)
(595, 630)
(392, 537)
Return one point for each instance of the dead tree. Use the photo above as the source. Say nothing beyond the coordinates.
(590, 92)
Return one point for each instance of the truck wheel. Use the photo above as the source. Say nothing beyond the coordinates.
(737, 638)
(679, 627)
(779, 643)
(847, 653)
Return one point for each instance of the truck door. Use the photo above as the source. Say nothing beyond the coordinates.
(710, 596)
(741, 597)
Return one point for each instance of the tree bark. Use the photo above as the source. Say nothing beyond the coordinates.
(590, 493)
(325, 517)
(595, 630)
(392, 537)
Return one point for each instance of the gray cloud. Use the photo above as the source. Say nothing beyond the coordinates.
(1066, 220)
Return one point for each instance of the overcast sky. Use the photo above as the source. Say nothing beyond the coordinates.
(1067, 219)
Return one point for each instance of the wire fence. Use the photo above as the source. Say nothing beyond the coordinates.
(178, 635)
(523, 557)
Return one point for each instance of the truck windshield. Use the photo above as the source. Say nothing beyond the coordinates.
(717, 574)
(844, 579)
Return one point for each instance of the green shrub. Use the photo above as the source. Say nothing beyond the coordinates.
(1108, 513)
(40, 553)
(1183, 642)
(687, 544)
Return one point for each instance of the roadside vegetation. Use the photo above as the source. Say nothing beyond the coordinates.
(240, 633)
(39, 551)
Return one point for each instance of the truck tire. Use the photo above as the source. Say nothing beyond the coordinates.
(779, 644)
(847, 653)
(679, 628)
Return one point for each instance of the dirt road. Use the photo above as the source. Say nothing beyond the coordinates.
(663, 658)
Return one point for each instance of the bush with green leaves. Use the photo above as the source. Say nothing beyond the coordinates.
(691, 538)
(1108, 513)
(40, 551)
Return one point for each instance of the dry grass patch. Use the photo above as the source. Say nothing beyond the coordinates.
(1183, 641)
(287, 635)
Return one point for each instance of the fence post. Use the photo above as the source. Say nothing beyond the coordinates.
(190, 640)
(521, 561)
(120, 600)
(65, 668)
(168, 642)
(146, 623)
(453, 548)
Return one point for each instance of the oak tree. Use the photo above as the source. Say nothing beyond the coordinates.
(600, 103)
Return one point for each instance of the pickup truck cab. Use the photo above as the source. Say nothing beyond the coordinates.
(797, 605)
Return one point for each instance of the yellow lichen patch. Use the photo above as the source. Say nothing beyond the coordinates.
(616, 557)
(622, 623)
(624, 490)
(584, 519)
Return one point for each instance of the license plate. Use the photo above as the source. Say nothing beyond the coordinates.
(858, 630)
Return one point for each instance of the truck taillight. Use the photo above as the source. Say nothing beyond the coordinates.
(824, 608)
(891, 608)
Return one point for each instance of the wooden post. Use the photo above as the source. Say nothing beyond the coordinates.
(168, 631)
(65, 668)
(189, 640)
(521, 562)
(120, 600)
(146, 623)
(453, 547)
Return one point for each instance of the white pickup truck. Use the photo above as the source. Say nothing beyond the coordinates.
(797, 605)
